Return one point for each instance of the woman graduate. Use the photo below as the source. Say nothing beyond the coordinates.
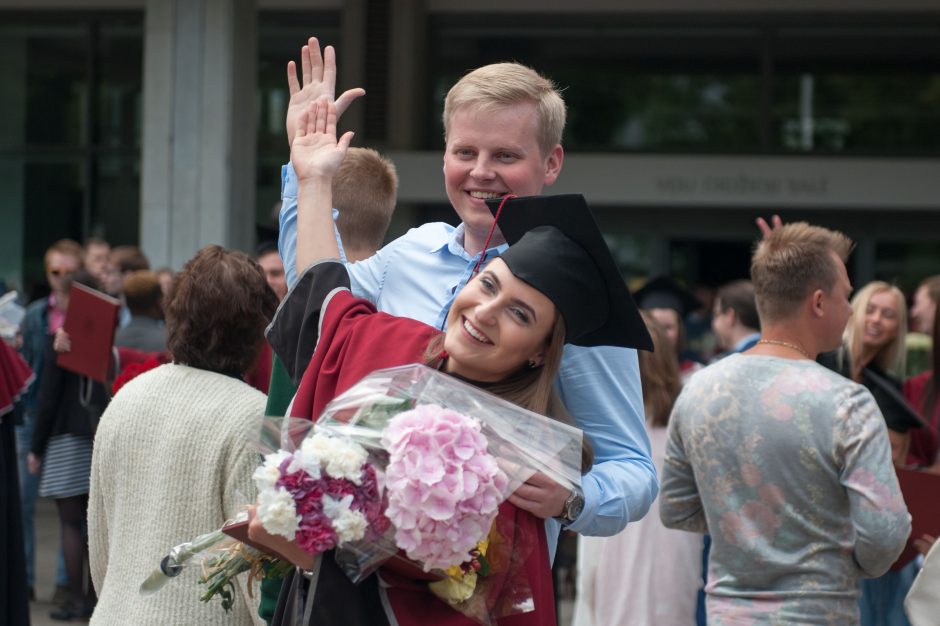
(556, 284)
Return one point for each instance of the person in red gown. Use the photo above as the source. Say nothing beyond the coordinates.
(557, 283)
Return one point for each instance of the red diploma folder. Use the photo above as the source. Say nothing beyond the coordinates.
(90, 322)
(920, 491)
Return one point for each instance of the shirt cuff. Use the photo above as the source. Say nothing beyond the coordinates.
(288, 181)
(592, 498)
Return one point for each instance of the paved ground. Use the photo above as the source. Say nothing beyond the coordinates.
(47, 542)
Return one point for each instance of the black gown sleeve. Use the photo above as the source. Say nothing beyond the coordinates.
(50, 395)
(898, 414)
(295, 329)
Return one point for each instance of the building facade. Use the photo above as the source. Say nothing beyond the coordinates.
(160, 122)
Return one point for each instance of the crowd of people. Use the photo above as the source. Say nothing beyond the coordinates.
(763, 482)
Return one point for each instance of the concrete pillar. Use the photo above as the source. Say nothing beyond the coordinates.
(198, 161)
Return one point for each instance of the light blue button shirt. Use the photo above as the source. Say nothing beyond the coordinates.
(417, 276)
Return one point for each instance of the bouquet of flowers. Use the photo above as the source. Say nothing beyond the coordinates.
(408, 468)
(447, 455)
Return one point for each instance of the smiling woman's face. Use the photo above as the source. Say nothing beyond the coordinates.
(881, 320)
(496, 324)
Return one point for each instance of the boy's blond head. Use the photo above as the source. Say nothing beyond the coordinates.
(505, 84)
(365, 189)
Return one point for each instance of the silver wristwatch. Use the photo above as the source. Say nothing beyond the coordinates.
(574, 504)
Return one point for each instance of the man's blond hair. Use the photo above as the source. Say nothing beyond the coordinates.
(501, 85)
(67, 247)
(365, 189)
(790, 263)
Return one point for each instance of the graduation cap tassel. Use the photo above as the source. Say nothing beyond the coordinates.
(486, 244)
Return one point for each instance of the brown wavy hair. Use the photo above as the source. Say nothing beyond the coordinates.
(659, 375)
(217, 311)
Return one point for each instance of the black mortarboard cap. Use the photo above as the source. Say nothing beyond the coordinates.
(556, 246)
(663, 292)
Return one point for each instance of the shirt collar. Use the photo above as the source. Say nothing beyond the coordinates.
(746, 342)
(454, 245)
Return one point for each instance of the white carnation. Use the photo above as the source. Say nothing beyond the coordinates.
(267, 474)
(277, 512)
(340, 458)
(349, 525)
(308, 460)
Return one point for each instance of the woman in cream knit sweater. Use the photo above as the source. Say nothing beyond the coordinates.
(173, 454)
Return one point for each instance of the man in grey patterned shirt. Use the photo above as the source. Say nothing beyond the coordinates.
(786, 464)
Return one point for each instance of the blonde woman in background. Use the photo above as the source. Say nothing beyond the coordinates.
(648, 574)
(873, 353)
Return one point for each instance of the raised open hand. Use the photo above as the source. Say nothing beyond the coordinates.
(318, 74)
(315, 152)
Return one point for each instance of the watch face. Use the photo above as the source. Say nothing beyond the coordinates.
(576, 507)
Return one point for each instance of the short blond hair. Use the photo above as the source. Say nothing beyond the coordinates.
(893, 356)
(365, 189)
(505, 84)
(790, 263)
(67, 247)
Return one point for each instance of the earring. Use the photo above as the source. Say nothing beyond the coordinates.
(532, 364)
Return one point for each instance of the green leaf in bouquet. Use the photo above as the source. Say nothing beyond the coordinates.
(377, 415)
(485, 569)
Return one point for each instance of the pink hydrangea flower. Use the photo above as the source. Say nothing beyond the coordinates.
(444, 488)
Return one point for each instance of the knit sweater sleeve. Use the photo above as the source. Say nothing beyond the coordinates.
(239, 490)
(97, 518)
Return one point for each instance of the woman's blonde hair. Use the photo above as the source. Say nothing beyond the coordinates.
(659, 375)
(532, 388)
(892, 357)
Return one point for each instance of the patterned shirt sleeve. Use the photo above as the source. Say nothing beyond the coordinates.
(879, 515)
(680, 505)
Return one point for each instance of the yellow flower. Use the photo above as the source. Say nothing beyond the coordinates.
(455, 589)
(459, 585)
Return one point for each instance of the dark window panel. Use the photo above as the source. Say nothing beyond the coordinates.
(120, 84)
(56, 87)
(53, 200)
(281, 34)
(725, 84)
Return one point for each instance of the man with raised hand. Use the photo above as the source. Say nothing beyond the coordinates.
(503, 125)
